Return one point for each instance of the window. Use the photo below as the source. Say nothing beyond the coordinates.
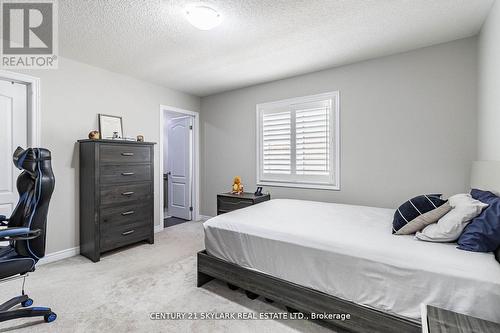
(298, 142)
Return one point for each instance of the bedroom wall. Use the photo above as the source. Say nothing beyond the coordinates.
(71, 98)
(489, 85)
(408, 126)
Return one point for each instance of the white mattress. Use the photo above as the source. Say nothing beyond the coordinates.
(349, 252)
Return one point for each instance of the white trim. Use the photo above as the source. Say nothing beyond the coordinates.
(423, 316)
(204, 217)
(59, 255)
(335, 97)
(301, 99)
(196, 156)
(337, 140)
(34, 112)
(158, 227)
(300, 185)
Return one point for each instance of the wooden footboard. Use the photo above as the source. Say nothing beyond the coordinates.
(362, 319)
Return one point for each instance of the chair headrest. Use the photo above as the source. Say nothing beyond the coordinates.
(27, 159)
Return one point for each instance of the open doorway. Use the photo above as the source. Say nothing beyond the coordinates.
(178, 165)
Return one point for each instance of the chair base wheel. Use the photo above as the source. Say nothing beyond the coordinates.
(26, 303)
(50, 317)
(251, 295)
(232, 286)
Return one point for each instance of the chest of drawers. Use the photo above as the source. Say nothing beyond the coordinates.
(116, 195)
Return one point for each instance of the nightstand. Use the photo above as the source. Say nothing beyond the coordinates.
(227, 202)
(436, 320)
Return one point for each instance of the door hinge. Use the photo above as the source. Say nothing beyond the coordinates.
(190, 127)
(190, 209)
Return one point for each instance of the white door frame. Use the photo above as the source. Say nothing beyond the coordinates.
(33, 93)
(196, 160)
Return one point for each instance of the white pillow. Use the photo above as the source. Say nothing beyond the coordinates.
(450, 226)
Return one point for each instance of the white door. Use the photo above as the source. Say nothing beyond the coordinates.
(13, 133)
(179, 167)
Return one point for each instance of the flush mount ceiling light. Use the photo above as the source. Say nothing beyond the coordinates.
(203, 17)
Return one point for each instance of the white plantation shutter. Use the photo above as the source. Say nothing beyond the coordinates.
(298, 142)
(312, 138)
(277, 142)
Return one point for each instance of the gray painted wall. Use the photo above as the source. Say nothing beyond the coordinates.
(71, 98)
(408, 126)
(489, 85)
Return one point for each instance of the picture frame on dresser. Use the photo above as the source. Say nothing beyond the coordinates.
(109, 126)
(116, 195)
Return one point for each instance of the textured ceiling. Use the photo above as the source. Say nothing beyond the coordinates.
(258, 41)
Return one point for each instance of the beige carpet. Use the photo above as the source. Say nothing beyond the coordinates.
(118, 293)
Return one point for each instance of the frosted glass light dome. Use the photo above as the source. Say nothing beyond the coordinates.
(203, 17)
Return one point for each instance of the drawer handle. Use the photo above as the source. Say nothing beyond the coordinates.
(130, 212)
(128, 232)
(234, 202)
(127, 193)
(128, 173)
(127, 154)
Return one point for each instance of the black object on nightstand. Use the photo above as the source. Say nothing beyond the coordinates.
(227, 202)
(445, 321)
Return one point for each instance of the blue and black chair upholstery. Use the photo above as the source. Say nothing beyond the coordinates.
(25, 229)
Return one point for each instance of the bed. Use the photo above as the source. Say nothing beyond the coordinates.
(325, 257)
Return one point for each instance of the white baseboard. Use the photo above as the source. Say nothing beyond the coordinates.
(59, 255)
(71, 252)
(204, 217)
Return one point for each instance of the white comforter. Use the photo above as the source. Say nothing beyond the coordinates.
(349, 252)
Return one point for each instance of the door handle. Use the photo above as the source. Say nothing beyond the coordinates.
(128, 232)
(127, 173)
(127, 154)
(130, 212)
(127, 193)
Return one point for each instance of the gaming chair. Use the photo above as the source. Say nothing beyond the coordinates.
(25, 230)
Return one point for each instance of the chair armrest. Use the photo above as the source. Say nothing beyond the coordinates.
(3, 220)
(9, 234)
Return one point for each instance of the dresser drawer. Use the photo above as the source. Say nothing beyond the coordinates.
(125, 173)
(227, 204)
(122, 153)
(124, 235)
(117, 194)
(113, 217)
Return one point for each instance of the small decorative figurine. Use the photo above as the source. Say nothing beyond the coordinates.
(94, 135)
(140, 138)
(237, 185)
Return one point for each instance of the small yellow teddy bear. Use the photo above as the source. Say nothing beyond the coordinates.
(237, 185)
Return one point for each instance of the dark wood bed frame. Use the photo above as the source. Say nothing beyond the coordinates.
(306, 300)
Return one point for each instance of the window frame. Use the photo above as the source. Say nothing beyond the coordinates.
(334, 177)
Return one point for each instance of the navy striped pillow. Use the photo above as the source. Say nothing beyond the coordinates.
(418, 212)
